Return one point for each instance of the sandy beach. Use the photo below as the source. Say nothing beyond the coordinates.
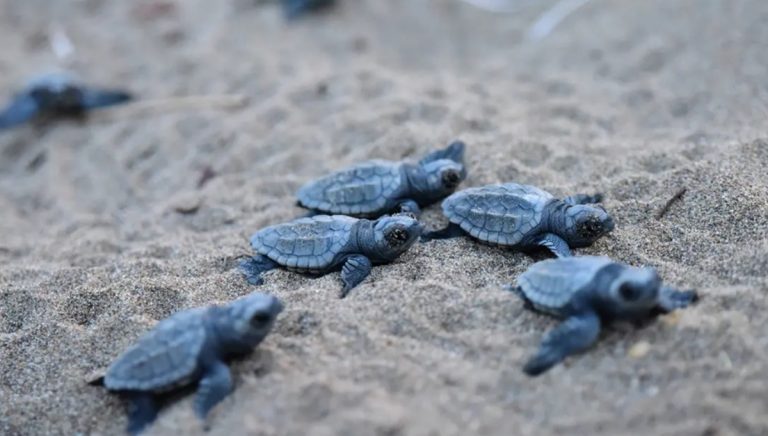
(109, 225)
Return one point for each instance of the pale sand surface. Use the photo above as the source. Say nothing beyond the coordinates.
(633, 98)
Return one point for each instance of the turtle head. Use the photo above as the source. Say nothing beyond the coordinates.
(251, 317)
(584, 224)
(440, 178)
(439, 173)
(635, 289)
(56, 92)
(393, 235)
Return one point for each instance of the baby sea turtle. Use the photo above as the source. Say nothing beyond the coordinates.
(296, 8)
(57, 95)
(187, 347)
(585, 292)
(524, 217)
(377, 187)
(323, 243)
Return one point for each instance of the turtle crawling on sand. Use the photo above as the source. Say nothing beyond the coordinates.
(524, 217)
(57, 95)
(324, 243)
(586, 292)
(188, 347)
(377, 187)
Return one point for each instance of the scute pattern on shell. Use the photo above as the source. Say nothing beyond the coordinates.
(501, 214)
(164, 357)
(549, 285)
(306, 243)
(362, 189)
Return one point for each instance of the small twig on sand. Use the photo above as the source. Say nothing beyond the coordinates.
(675, 198)
(139, 107)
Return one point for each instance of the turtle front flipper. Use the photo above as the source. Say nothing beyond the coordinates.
(355, 270)
(22, 109)
(573, 200)
(555, 244)
(254, 266)
(214, 386)
(454, 151)
(671, 299)
(96, 98)
(573, 335)
(142, 411)
(451, 231)
(409, 207)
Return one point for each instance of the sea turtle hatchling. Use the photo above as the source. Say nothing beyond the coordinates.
(190, 346)
(296, 8)
(57, 94)
(585, 292)
(524, 217)
(377, 187)
(324, 243)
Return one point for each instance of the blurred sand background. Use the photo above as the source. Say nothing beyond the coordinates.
(105, 227)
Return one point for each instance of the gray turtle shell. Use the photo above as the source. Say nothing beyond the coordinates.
(164, 358)
(550, 285)
(311, 244)
(503, 214)
(367, 188)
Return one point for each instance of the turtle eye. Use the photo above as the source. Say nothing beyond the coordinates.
(397, 236)
(629, 292)
(450, 179)
(260, 319)
(590, 228)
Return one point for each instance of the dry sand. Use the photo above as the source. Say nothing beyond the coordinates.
(633, 98)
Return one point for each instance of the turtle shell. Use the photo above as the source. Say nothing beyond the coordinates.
(549, 285)
(501, 214)
(366, 189)
(164, 358)
(310, 244)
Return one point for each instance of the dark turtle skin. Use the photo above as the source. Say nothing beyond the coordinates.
(190, 346)
(296, 8)
(524, 217)
(57, 95)
(378, 187)
(322, 244)
(587, 292)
